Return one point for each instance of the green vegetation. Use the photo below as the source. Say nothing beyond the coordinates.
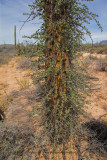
(18, 144)
(61, 79)
(28, 50)
(62, 84)
(4, 101)
(6, 53)
(95, 48)
(24, 63)
(15, 36)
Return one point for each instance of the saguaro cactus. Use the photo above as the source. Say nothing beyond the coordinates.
(15, 36)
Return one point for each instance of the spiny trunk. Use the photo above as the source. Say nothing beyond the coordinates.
(54, 36)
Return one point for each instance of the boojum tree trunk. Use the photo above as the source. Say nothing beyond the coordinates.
(54, 39)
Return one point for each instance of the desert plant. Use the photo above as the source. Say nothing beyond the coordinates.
(6, 54)
(15, 36)
(16, 142)
(20, 49)
(23, 83)
(4, 103)
(24, 63)
(3, 85)
(28, 50)
(60, 35)
(95, 48)
(21, 142)
(98, 64)
(90, 60)
(62, 83)
(1, 49)
(102, 64)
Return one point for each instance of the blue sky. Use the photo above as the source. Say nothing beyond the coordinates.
(11, 13)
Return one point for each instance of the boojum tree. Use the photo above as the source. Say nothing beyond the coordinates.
(58, 58)
(63, 81)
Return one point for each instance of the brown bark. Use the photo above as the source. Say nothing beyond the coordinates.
(54, 36)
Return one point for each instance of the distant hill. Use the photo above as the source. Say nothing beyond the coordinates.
(7, 45)
(103, 42)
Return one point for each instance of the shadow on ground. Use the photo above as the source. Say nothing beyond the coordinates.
(97, 138)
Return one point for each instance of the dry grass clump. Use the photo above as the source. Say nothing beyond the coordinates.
(3, 85)
(23, 83)
(27, 63)
(90, 61)
(99, 64)
(102, 64)
(4, 102)
(24, 63)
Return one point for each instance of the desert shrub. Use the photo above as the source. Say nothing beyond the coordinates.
(6, 47)
(28, 50)
(1, 49)
(16, 142)
(20, 49)
(6, 54)
(102, 64)
(20, 142)
(95, 48)
(24, 63)
(34, 65)
(31, 53)
(4, 102)
(102, 50)
(99, 64)
(90, 60)
(86, 48)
